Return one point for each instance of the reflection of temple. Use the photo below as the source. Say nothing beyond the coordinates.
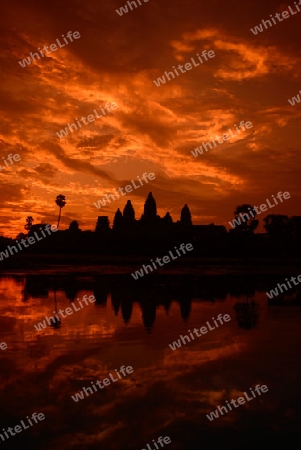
(101, 291)
(126, 310)
(148, 313)
(185, 294)
(151, 294)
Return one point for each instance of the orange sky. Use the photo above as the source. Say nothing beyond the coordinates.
(154, 128)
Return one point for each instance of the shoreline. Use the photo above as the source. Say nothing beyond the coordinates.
(126, 264)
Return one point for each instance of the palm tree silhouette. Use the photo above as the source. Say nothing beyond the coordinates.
(61, 202)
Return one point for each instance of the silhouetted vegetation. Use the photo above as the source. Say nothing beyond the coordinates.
(153, 235)
(61, 202)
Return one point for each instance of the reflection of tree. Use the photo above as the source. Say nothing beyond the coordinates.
(247, 314)
(57, 321)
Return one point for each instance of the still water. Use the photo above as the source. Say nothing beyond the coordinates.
(169, 392)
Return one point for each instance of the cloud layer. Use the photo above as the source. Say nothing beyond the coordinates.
(154, 128)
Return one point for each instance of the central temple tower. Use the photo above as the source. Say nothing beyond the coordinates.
(150, 208)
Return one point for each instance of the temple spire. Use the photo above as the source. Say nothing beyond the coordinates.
(129, 212)
(117, 224)
(150, 208)
(185, 219)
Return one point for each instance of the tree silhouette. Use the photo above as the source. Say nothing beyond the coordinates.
(21, 236)
(29, 222)
(243, 211)
(61, 202)
(278, 226)
(74, 227)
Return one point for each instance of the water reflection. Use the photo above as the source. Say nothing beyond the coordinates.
(247, 314)
(56, 323)
(133, 323)
(153, 293)
(287, 299)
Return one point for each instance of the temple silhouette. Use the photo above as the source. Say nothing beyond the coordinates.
(155, 235)
(126, 222)
(155, 230)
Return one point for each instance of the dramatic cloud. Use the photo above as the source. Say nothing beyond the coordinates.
(154, 128)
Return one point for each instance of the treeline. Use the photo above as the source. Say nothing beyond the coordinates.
(283, 238)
